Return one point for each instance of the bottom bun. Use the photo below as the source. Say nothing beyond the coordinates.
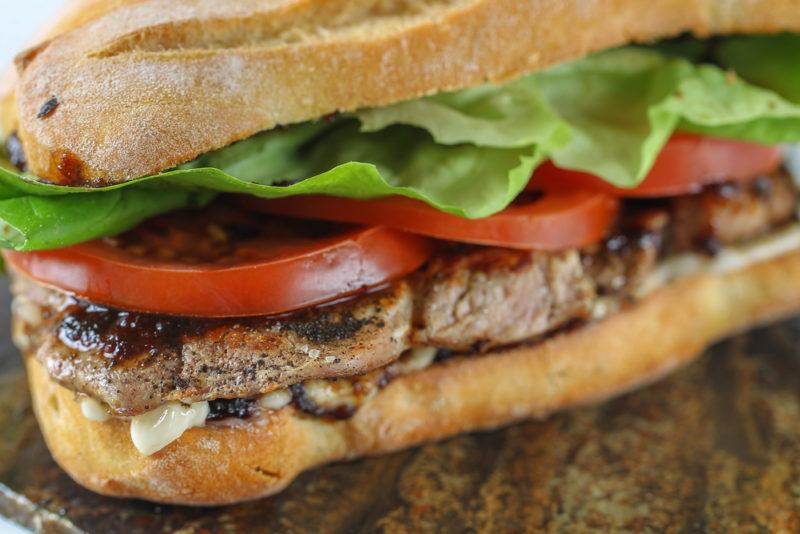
(261, 455)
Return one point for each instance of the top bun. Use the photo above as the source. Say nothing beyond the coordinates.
(72, 14)
(141, 86)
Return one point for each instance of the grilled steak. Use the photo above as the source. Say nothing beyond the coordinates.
(731, 213)
(469, 298)
(116, 356)
(492, 297)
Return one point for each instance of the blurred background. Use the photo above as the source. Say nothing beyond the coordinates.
(21, 19)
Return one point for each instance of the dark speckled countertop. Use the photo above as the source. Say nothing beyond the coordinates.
(714, 448)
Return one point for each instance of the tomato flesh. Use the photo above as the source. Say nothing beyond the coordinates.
(549, 222)
(685, 165)
(259, 274)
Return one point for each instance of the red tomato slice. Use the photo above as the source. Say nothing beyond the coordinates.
(553, 221)
(266, 268)
(686, 164)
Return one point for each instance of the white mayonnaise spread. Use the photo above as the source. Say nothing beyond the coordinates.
(154, 430)
(275, 400)
(94, 410)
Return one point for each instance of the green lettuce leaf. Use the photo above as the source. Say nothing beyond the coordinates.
(768, 61)
(465, 181)
(513, 115)
(41, 222)
(615, 111)
(468, 153)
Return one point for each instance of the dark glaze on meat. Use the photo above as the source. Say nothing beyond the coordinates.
(122, 335)
(119, 335)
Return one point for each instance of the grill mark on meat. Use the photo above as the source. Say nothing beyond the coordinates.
(326, 327)
(468, 300)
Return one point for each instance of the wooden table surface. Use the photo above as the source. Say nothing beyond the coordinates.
(714, 448)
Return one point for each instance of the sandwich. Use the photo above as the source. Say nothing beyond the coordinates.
(247, 238)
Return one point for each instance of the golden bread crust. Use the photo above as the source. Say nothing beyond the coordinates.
(71, 15)
(260, 456)
(155, 83)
